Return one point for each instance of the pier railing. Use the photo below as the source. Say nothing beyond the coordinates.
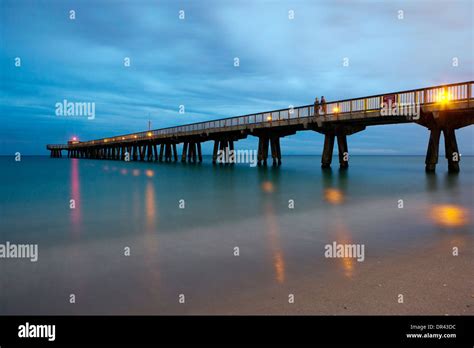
(423, 96)
(57, 147)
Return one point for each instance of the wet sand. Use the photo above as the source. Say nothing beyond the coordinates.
(432, 281)
(279, 256)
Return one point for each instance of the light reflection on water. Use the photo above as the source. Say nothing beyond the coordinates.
(449, 215)
(342, 235)
(150, 240)
(135, 204)
(273, 236)
(76, 196)
(333, 196)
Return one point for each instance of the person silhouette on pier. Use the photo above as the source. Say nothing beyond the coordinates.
(316, 107)
(323, 104)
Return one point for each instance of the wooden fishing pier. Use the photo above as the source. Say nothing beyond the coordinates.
(440, 109)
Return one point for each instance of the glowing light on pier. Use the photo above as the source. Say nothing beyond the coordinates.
(335, 109)
(443, 97)
(449, 215)
(269, 118)
(149, 134)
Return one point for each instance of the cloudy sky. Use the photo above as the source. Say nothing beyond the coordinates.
(190, 62)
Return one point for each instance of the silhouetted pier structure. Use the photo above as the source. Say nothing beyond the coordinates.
(442, 109)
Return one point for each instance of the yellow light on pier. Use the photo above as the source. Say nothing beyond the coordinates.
(269, 118)
(335, 109)
(105, 140)
(149, 134)
(135, 136)
(123, 138)
(443, 97)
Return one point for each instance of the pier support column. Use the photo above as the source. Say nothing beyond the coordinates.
(168, 153)
(193, 147)
(273, 148)
(326, 158)
(266, 142)
(260, 151)
(278, 150)
(190, 152)
(155, 152)
(343, 151)
(231, 148)
(142, 152)
(451, 150)
(433, 150)
(199, 151)
(263, 142)
(175, 153)
(214, 151)
(185, 151)
(162, 149)
(150, 153)
(223, 146)
(135, 154)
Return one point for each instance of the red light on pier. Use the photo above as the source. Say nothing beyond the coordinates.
(74, 140)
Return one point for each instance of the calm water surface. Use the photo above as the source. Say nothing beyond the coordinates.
(190, 250)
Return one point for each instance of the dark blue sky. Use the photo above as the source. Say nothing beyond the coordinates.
(190, 62)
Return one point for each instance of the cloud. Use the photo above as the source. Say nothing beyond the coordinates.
(190, 62)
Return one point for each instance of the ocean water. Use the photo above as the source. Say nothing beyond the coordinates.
(183, 224)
